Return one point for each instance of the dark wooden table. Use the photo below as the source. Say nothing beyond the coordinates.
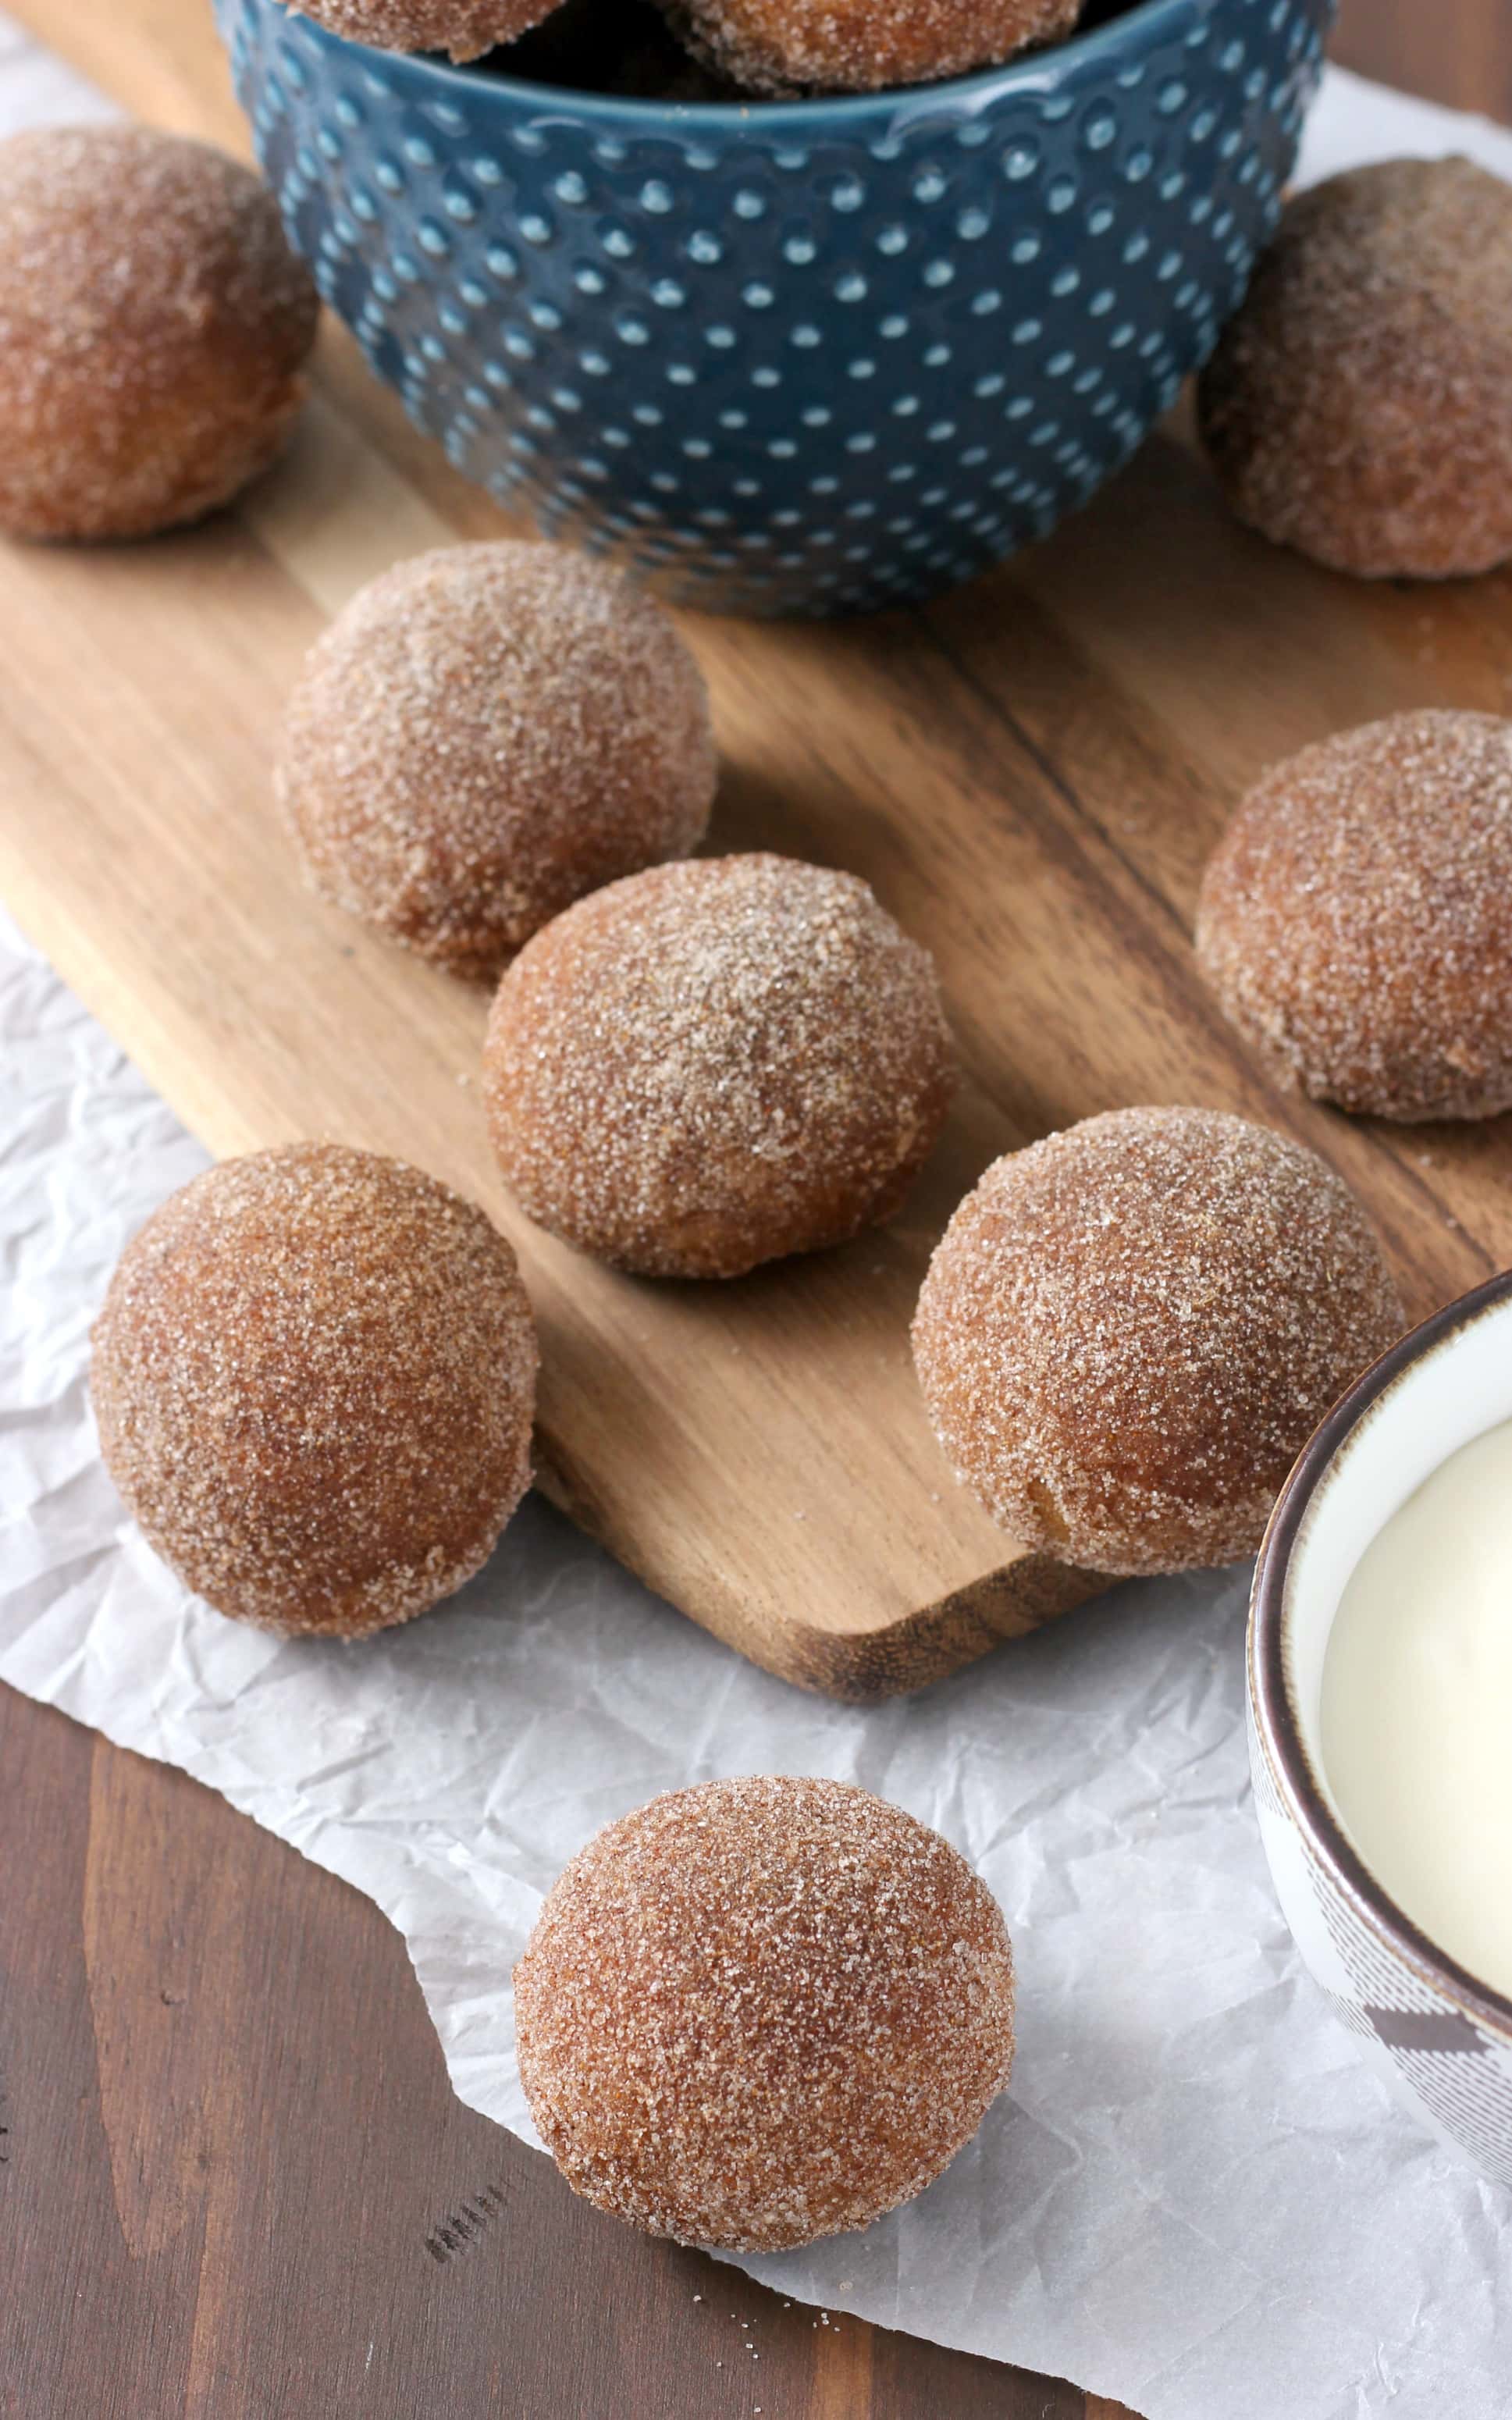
(234, 2182)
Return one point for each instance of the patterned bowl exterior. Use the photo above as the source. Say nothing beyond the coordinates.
(1450, 2065)
(1441, 2039)
(803, 358)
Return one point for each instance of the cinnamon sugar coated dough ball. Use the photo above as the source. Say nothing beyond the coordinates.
(314, 1376)
(1358, 407)
(1356, 920)
(463, 28)
(484, 734)
(716, 1063)
(782, 46)
(1130, 1329)
(153, 326)
(761, 2011)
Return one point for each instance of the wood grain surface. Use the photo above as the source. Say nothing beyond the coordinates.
(758, 1453)
(234, 2185)
(1030, 775)
(1456, 51)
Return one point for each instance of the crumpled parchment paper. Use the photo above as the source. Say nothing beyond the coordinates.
(1195, 2198)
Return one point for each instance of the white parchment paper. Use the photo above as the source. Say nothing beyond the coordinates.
(1195, 2198)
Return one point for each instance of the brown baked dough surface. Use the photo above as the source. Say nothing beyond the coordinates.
(315, 1378)
(763, 2011)
(154, 324)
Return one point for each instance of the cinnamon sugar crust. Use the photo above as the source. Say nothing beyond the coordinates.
(780, 47)
(314, 1377)
(464, 29)
(761, 2011)
(1355, 921)
(483, 734)
(1129, 1330)
(154, 324)
(1359, 406)
(716, 1063)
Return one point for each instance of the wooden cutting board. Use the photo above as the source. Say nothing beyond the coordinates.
(1031, 773)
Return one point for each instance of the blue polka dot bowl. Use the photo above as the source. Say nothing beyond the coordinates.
(810, 357)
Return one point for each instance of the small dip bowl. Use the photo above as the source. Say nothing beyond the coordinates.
(1441, 2038)
(807, 357)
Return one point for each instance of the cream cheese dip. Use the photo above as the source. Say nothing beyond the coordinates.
(1416, 1719)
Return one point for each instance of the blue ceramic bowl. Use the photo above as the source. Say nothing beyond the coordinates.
(805, 357)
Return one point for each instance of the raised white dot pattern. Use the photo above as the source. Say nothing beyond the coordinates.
(727, 356)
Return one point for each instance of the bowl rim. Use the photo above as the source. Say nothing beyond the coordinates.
(956, 96)
(1273, 1706)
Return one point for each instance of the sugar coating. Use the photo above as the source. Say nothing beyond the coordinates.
(760, 2011)
(315, 1376)
(463, 28)
(484, 734)
(1356, 919)
(716, 1063)
(153, 325)
(1129, 1330)
(781, 46)
(1358, 407)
